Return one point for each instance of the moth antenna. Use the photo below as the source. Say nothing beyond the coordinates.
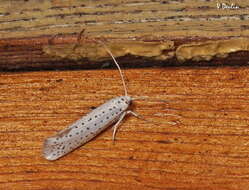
(110, 53)
(119, 69)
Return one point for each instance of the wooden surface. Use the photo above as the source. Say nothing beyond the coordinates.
(37, 54)
(207, 148)
(126, 18)
(202, 141)
(27, 26)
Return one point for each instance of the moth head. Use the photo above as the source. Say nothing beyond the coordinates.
(127, 100)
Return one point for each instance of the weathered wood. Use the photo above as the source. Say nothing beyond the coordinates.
(180, 22)
(123, 18)
(40, 54)
(206, 149)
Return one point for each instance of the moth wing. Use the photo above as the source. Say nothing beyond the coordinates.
(61, 144)
(82, 130)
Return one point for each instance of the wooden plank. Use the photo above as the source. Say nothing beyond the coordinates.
(127, 18)
(207, 148)
(67, 53)
(27, 26)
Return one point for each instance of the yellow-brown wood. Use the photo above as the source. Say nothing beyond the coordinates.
(207, 148)
(204, 145)
(126, 18)
(27, 26)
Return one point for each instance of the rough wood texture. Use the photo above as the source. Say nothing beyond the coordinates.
(178, 21)
(124, 18)
(205, 143)
(206, 149)
(38, 54)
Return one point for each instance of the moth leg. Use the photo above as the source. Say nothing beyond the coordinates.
(133, 113)
(115, 127)
(149, 121)
(137, 115)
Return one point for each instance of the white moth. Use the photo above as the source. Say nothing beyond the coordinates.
(86, 128)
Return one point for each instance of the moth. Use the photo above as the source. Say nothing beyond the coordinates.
(89, 126)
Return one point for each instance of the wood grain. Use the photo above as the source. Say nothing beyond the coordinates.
(27, 26)
(202, 141)
(29, 55)
(126, 18)
(206, 149)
